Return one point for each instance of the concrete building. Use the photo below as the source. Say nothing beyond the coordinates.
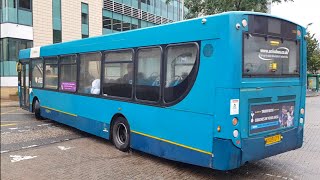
(31, 23)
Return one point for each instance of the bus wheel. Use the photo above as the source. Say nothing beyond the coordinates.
(121, 134)
(36, 107)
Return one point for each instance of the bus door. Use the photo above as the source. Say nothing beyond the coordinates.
(24, 85)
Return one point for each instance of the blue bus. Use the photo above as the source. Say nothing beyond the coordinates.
(216, 91)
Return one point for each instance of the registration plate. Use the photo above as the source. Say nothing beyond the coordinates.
(272, 139)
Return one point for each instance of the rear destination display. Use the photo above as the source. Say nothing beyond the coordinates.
(267, 117)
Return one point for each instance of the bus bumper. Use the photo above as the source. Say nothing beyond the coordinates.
(227, 156)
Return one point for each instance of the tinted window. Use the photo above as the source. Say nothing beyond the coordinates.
(26, 4)
(51, 73)
(270, 56)
(148, 74)
(68, 73)
(180, 70)
(118, 74)
(90, 68)
(37, 73)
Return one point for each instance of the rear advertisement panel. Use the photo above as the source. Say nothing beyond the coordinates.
(267, 117)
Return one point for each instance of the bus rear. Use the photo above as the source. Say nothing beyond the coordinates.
(267, 109)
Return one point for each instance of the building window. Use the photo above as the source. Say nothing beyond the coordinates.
(57, 36)
(84, 20)
(9, 54)
(146, 1)
(90, 70)
(180, 70)
(68, 73)
(117, 25)
(148, 74)
(107, 23)
(25, 4)
(56, 21)
(10, 48)
(118, 77)
(51, 73)
(84, 36)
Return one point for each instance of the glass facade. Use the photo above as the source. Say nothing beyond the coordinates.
(84, 20)
(123, 15)
(16, 11)
(56, 21)
(9, 53)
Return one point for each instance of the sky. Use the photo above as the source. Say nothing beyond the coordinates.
(301, 12)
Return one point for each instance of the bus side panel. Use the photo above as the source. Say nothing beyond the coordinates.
(181, 135)
(173, 134)
(65, 108)
(170, 151)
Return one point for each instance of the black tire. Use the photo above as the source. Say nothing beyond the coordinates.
(121, 134)
(36, 107)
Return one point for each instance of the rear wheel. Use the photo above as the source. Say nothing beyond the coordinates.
(36, 107)
(121, 134)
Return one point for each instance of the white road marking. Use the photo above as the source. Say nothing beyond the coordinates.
(64, 148)
(12, 128)
(23, 130)
(5, 133)
(277, 176)
(3, 152)
(16, 158)
(43, 125)
(29, 146)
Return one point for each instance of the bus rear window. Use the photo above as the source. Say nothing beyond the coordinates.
(270, 56)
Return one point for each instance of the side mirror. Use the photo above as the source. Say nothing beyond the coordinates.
(19, 67)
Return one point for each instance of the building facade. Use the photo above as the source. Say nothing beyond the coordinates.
(32, 23)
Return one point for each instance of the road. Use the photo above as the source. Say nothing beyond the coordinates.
(34, 149)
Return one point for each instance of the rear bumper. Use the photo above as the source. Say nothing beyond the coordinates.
(227, 156)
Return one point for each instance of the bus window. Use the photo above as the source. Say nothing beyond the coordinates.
(181, 60)
(37, 73)
(148, 74)
(118, 74)
(270, 56)
(68, 73)
(51, 73)
(90, 68)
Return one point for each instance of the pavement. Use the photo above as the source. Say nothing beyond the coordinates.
(43, 149)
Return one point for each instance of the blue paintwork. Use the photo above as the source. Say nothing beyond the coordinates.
(82, 123)
(170, 151)
(192, 122)
(255, 149)
(225, 154)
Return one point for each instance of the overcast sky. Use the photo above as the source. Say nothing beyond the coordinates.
(302, 12)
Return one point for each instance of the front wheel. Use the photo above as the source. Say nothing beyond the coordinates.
(36, 107)
(121, 134)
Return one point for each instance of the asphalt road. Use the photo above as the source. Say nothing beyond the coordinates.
(34, 149)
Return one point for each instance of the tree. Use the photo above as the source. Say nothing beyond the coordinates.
(197, 8)
(313, 54)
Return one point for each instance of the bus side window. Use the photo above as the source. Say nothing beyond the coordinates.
(68, 73)
(90, 70)
(51, 73)
(148, 74)
(181, 70)
(118, 73)
(37, 73)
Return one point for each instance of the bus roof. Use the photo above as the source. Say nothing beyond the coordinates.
(166, 33)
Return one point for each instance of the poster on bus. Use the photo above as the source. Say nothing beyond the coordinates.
(267, 117)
